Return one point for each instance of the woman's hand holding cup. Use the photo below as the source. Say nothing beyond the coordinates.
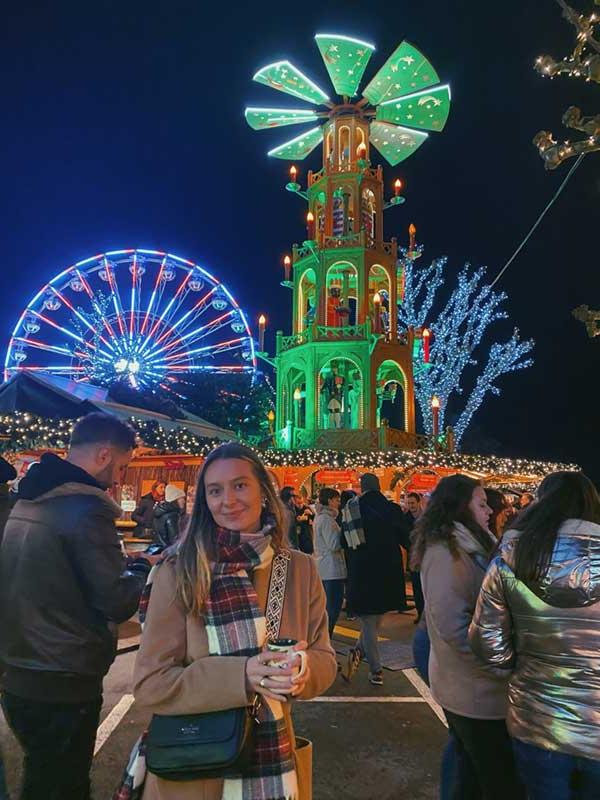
(296, 658)
(281, 669)
(260, 671)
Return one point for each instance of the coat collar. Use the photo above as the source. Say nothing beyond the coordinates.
(467, 542)
(73, 489)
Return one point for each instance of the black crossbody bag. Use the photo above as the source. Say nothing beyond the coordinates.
(216, 744)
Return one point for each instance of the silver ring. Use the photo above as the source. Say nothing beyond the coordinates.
(262, 683)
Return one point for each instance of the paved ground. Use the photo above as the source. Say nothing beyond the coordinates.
(370, 744)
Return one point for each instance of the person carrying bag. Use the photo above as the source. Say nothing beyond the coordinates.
(205, 647)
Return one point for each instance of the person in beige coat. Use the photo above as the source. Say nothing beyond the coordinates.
(202, 648)
(452, 548)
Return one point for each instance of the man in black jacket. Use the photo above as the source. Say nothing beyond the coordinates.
(375, 573)
(64, 587)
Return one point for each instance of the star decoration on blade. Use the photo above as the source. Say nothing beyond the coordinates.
(402, 101)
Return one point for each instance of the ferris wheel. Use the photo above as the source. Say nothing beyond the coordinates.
(141, 317)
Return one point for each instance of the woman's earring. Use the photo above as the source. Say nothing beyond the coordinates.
(264, 502)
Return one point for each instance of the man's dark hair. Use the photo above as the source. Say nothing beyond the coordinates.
(99, 428)
(286, 494)
(326, 494)
(415, 496)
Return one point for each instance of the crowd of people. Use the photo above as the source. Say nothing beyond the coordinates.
(239, 609)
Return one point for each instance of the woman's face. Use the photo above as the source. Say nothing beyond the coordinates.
(233, 495)
(479, 508)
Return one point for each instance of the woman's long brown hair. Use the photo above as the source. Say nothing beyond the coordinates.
(198, 548)
(448, 504)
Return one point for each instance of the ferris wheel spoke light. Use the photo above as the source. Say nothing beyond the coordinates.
(42, 346)
(133, 284)
(165, 314)
(213, 348)
(196, 335)
(95, 305)
(195, 311)
(80, 317)
(157, 284)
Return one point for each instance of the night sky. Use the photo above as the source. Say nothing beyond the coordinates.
(122, 126)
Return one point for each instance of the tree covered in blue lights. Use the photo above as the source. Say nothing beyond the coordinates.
(458, 327)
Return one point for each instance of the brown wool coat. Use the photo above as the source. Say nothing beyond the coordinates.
(175, 675)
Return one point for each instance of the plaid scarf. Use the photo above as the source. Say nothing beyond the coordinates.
(235, 625)
(352, 524)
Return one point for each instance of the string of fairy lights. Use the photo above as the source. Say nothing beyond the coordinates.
(21, 432)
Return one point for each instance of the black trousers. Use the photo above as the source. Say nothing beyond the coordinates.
(486, 765)
(58, 744)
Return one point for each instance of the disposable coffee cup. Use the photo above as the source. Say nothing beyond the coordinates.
(282, 646)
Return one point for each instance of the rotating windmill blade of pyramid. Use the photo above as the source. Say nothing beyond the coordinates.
(402, 102)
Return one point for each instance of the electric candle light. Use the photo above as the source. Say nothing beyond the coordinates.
(262, 323)
(293, 174)
(435, 410)
(361, 151)
(397, 187)
(377, 307)
(287, 263)
(310, 225)
(426, 339)
(412, 233)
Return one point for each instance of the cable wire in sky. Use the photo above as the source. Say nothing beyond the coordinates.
(538, 221)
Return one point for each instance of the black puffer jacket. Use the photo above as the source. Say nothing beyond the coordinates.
(63, 584)
(166, 522)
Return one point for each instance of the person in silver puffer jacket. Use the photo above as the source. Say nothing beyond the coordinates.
(538, 614)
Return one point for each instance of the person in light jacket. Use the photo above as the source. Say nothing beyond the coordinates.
(329, 554)
(538, 614)
(452, 548)
(203, 644)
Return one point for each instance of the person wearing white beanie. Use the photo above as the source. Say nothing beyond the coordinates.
(174, 493)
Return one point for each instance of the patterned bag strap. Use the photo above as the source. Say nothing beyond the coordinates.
(274, 612)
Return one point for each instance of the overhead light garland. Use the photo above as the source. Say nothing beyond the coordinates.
(20, 431)
(584, 62)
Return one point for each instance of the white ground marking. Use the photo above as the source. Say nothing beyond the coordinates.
(337, 699)
(423, 690)
(112, 720)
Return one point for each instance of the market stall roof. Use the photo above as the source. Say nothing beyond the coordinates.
(51, 396)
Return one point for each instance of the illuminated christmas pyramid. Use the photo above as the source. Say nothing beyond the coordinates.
(345, 374)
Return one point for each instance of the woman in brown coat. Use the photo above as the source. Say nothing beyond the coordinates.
(203, 643)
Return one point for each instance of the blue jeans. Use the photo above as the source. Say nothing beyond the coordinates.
(549, 775)
(449, 774)
(334, 592)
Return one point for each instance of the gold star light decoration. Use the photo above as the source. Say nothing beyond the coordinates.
(590, 318)
(584, 62)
